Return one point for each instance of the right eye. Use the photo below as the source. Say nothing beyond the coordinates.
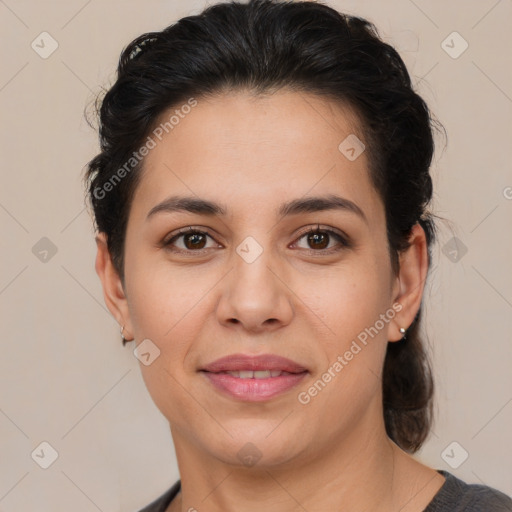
(189, 240)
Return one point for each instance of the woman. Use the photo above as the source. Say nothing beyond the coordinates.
(261, 200)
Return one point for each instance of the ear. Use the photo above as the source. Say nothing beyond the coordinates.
(113, 290)
(410, 282)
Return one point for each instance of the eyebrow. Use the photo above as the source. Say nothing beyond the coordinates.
(294, 207)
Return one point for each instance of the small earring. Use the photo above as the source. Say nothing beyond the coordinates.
(122, 337)
(402, 332)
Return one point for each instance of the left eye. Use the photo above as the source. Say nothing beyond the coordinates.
(321, 239)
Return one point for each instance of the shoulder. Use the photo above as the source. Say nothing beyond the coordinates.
(458, 496)
(161, 503)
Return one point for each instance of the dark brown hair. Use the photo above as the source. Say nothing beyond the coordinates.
(262, 46)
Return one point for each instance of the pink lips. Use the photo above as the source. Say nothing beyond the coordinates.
(273, 376)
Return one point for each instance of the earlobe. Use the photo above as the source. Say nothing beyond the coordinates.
(412, 275)
(113, 291)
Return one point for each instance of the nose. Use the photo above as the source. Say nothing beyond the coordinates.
(255, 297)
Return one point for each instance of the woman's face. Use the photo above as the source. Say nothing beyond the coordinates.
(250, 281)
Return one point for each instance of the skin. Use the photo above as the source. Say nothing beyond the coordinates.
(251, 154)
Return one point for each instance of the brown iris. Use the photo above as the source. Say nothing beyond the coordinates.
(194, 240)
(318, 240)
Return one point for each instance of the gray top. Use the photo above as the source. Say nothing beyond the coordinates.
(454, 496)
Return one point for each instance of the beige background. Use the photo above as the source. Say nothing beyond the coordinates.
(65, 377)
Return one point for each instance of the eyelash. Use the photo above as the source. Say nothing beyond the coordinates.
(343, 240)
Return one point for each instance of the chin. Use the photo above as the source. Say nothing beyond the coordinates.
(257, 445)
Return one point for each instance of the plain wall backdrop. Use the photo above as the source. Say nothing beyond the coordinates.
(66, 379)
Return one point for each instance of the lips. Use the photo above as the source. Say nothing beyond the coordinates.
(241, 362)
(254, 378)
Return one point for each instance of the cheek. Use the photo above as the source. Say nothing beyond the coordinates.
(348, 300)
(166, 307)
(169, 305)
(358, 308)
(162, 296)
(352, 349)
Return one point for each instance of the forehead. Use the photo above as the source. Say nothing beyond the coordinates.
(267, 148)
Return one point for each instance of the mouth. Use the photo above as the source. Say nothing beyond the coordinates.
(254, 378)
(257, 374)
